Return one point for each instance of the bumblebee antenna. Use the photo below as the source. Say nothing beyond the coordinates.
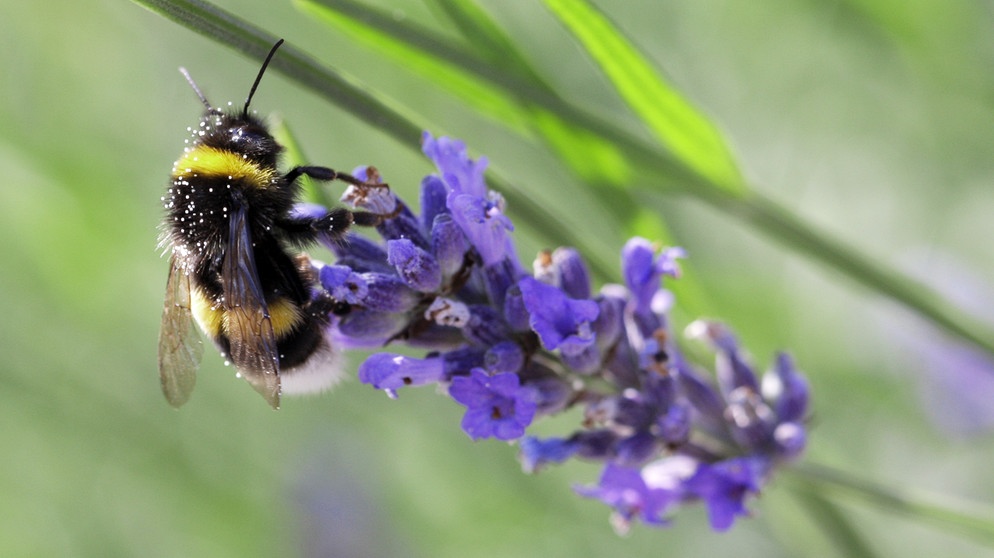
(196, 89)
(258, 78)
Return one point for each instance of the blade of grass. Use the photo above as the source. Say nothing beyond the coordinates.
(593, 158)
(293, 156)
(671, 117)
(483, 34)
(970, 518)
(838, 529)
(778, 222)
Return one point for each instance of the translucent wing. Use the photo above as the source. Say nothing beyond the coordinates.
(250, 331)
(180, 347)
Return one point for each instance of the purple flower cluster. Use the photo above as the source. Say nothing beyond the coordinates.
(511, 345)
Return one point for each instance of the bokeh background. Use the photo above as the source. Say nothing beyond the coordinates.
(872, 119)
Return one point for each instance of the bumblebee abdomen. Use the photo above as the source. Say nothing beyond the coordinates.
(211, 316)
(299, 331)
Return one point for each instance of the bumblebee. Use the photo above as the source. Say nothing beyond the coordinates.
(233, 270)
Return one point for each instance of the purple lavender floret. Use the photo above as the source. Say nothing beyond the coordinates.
(628, 494)
(724, 486)
(478, 210)
(511, 346)
(562, 323)
(497, 406)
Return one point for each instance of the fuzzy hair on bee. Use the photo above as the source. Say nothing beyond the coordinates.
(234, 271)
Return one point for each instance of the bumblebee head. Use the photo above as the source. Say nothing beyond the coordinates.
(239, 131)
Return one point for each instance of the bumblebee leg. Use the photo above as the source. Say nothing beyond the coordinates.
(323, 304)
(335, 223)
(367, 219)
(317, 173)
(325, 173)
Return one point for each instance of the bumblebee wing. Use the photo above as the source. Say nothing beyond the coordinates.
(250, 330)
(180, 347)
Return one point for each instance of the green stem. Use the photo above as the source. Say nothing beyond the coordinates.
(785, 227)
(838, 528)
(970, 518)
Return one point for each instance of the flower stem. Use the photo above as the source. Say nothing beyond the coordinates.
(836, 526)
(973, 519)
(787, 228)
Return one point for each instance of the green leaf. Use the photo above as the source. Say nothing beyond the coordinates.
(488, 39)
(659, 165)
(593, 158)
(485, 100)
(672, 118)
(293, 155)
(598, 162)
(517, 107)
(482, 33)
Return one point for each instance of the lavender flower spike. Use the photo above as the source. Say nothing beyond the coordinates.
(510, 346)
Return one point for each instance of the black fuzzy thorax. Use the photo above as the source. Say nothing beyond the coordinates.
(198, 205)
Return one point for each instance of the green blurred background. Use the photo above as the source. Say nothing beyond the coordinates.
(872, 119)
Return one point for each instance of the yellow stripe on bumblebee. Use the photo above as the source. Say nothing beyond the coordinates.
(210, 162)
(213, 319)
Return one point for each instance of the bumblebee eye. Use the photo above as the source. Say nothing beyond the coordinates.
(253, 141)
(251, 133)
